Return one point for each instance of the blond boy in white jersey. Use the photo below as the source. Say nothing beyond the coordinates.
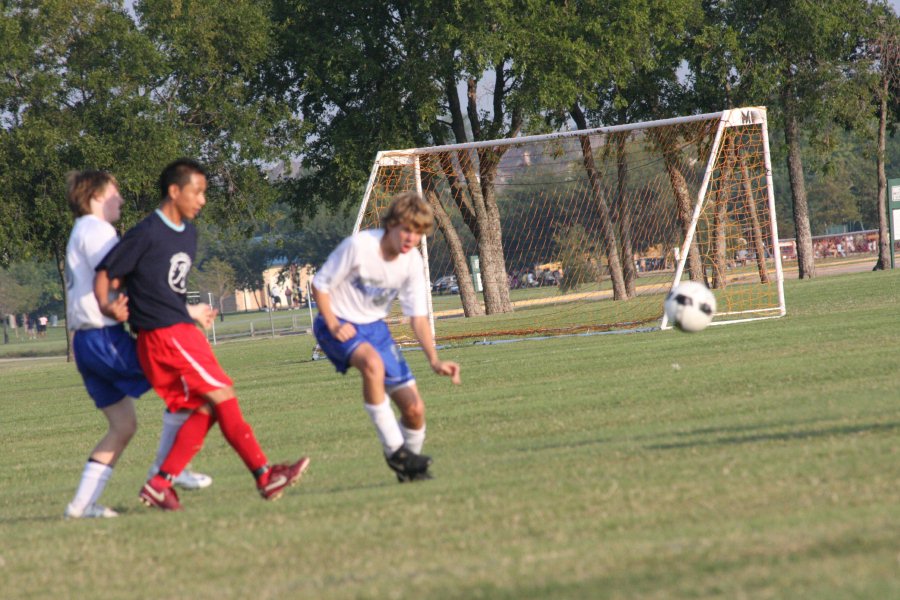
(354, 290)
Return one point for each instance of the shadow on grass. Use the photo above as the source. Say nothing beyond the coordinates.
(780, 437)
(725, 440)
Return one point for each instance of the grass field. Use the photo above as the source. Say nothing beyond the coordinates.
(757, 460)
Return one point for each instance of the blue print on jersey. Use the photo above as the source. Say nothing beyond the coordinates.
(380, 296)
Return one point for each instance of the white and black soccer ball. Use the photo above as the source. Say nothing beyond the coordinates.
(690, 306)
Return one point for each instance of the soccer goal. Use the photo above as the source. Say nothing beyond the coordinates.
(587, 231)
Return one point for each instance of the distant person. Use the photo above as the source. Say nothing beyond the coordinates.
(354, 290)
(288, 294)
(153, 261)
(29, 325)
(42, 325)
(275, 293)
(104, 352)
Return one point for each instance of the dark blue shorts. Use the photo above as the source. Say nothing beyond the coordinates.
(108, 363)
(396, 371)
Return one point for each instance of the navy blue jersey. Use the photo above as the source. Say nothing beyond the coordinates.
(154, 258)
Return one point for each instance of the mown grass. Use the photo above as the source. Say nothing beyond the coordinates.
(757, 460)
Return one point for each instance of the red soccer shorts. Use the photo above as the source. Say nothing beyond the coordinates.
(180, 365)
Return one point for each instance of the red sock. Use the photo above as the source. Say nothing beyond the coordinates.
(239, 434)
(186, 445)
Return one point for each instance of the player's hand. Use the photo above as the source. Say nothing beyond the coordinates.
(343, 331)
(118, 308)
(449, 369)
(204, 314)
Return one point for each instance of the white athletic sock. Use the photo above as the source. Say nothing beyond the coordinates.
(413, 438)
(93, 482)
(385, 426)
(172, 422)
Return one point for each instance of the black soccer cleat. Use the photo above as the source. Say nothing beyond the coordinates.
(423, 476)
(408, 465)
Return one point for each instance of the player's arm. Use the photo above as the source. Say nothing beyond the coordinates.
(422, 328)
(103, 286)
(340, 331)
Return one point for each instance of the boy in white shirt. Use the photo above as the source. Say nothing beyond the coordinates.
(104, 352)
(354, 290)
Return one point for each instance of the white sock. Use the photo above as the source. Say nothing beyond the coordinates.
(172, 422)
(93, 482)
(413, 438)
(385, 426)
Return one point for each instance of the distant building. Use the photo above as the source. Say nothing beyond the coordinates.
(279, 277)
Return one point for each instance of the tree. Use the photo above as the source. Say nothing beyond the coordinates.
(71, 95)
(214, 276)
(207, 88)
(370, 76)
(14, 298)
(247, 258)
(85, 86)
(794, 58)
(884, 52)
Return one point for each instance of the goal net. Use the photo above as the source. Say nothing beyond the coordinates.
(587, 231)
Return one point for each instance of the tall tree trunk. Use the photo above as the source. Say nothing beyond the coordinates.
(684, 212)
(884, 241)
(607, 231)
(490, 244)
(489, 238)
(471, 306)
(60, 260)
(805, 255)
(622, 216)
(719, 242)
(755, 233)
(479, 185)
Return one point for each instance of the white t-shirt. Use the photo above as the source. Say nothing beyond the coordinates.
(362, 284)
(91, 239)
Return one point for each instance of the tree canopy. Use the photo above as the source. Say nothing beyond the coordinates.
(245, 85)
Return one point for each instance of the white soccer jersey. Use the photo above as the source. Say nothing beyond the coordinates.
(362, 284)
(91, 239)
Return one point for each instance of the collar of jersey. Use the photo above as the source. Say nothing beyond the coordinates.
(165, 219)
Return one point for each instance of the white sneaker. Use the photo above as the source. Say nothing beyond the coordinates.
(192, 480)
(93, 511)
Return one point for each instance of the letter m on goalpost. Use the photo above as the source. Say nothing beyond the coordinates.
(587, 231)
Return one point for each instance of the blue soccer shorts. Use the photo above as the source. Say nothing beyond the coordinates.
(108, 363)
(396, 372)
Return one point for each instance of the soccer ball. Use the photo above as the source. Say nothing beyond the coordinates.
(690, 306)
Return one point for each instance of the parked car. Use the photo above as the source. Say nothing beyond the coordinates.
(445, 285)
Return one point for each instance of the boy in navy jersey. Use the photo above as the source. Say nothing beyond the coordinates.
(152, 262)
(104, 352)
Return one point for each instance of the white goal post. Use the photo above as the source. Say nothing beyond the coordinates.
(587, 231)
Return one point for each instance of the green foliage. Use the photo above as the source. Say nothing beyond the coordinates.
(14, 297)
(30, 287)
(579, 265)
(842, 184)
(247, 258)
(85, 86)
(313, 242)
